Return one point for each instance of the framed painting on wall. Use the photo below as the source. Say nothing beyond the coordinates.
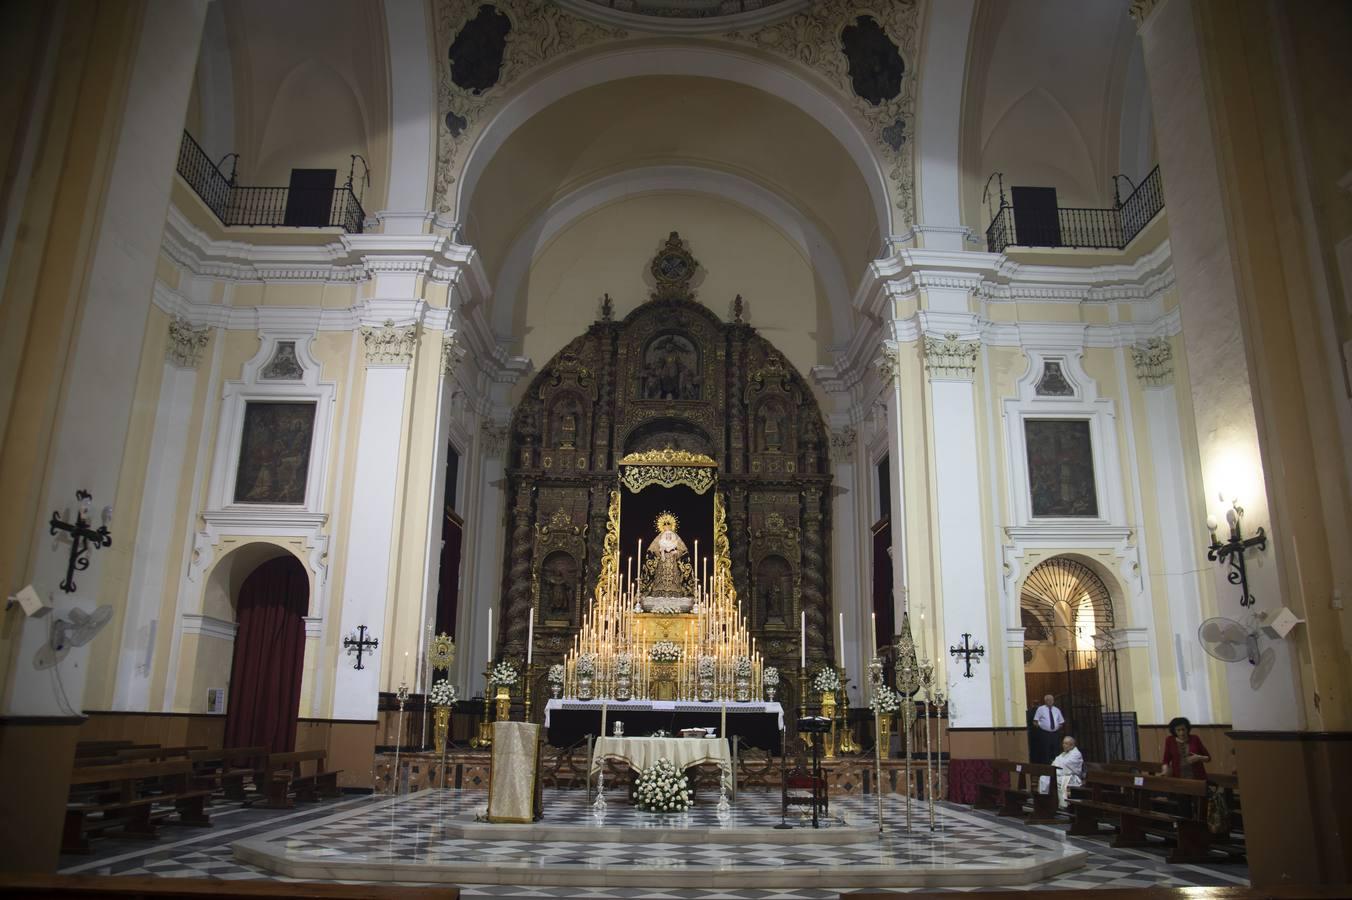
(1061, 468)
(274, 452)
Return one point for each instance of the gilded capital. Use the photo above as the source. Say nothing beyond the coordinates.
(948, 357)
(389, 345)
(185, 343)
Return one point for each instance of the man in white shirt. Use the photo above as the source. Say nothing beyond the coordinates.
(1047, 724)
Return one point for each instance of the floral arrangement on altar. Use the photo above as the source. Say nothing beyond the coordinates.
(662, 788)
(586, 664)
(664, 651)
(741, 667)
(885, 701)
(504, 674)
(706, 667)
(443, 693)
(624, 664)
(770, 677)
(555, 675)
(826, 681)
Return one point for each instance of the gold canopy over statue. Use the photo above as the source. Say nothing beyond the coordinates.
(674, 632)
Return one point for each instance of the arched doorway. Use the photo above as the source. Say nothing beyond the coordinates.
(1066, 611)
(269, 656)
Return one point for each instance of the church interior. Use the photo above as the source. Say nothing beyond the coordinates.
(675, 448)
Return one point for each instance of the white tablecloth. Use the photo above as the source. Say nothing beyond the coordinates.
(616, 708)
(642, 752)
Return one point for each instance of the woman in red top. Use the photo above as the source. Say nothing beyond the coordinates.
(1184, 752)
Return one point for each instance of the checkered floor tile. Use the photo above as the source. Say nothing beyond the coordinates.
(413, 829)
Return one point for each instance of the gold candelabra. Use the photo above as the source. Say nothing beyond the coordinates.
(485, 738)
(626, 653)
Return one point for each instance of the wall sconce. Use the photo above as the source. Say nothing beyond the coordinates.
(1232, 550)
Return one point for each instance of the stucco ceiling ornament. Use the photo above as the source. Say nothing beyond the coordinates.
(888, 362)
(185, 343)
(538, 33)
(389, 345)
(948, 357)
(453, 353)
(1140, 10)
(812, 38)
(1154, 359)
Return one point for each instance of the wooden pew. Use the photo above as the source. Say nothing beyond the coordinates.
(1147, 804)
(145, 886)
(126, 800)
(991, 795)
(1023, 784)
(226, 769)
(285, 776)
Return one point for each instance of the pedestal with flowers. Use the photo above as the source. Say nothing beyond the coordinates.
(504, 676)
(441, 697)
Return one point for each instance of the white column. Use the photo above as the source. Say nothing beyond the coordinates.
(851, 594)
(484, 532)
(413, 111)
(1179, 526)
(370, 534)
(168, 450)
(939, 107)
(101, 369)
(950, 364)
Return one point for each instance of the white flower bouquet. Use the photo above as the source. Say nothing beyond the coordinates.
(770, 677)
(555, 675)
(586, 664)
(662, 788)
(741, 667)
(443, 693)
(664, 651)
(826, 681)
(706, 667)
(885, 701)
(624, 664)
(505, 674)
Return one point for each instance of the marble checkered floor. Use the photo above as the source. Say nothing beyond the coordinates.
(385, 834)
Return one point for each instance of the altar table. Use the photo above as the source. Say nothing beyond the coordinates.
(758, 724)
(642, 752)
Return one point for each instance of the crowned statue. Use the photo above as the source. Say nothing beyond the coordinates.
(667, 583)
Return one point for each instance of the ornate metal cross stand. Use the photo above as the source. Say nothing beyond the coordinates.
(1232, 551)
(82, 539)
(968, 652)
(361, 644)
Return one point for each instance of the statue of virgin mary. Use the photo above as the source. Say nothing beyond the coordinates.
(668, 582)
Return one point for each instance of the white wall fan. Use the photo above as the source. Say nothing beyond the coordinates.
(1231, 641)
(66, 633)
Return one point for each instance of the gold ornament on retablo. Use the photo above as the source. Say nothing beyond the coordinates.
(441, 652)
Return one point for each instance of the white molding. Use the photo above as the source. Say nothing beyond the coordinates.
(1086, 405)
(209, 626)
(675, 26)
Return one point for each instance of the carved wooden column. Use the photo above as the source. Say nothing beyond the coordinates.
(516, 603)
(814, 575)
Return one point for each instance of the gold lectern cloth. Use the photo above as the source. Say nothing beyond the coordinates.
(516, 765)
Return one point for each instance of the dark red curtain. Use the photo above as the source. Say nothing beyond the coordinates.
(265, 675)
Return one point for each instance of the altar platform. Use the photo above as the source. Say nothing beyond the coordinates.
(434, 836)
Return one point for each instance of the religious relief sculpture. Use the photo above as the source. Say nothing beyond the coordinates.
(671, 369)
(668, 581)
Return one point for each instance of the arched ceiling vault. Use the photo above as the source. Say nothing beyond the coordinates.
(683, 134)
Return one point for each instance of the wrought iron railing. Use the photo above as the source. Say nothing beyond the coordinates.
(1081, 227)
(279, 206)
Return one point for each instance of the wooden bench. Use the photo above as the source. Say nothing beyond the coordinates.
(1147, 804)
(285, 776)
(991, 795)
(143, 886)
(225, 770)
(124, 799)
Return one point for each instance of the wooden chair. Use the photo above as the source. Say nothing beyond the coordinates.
(801, 788)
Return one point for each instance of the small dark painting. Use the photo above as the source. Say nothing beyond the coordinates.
(876, 66)
(1061, 467)
(274, 453)
(477, 51)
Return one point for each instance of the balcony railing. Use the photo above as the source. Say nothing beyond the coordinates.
(1079, 227)
(279, 206)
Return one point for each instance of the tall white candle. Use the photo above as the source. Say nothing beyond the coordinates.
(530, 637)
(840, 643)
(873, 630)
(490, 634)
(802, 640)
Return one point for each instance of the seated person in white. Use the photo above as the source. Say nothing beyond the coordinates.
(1070, 771)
